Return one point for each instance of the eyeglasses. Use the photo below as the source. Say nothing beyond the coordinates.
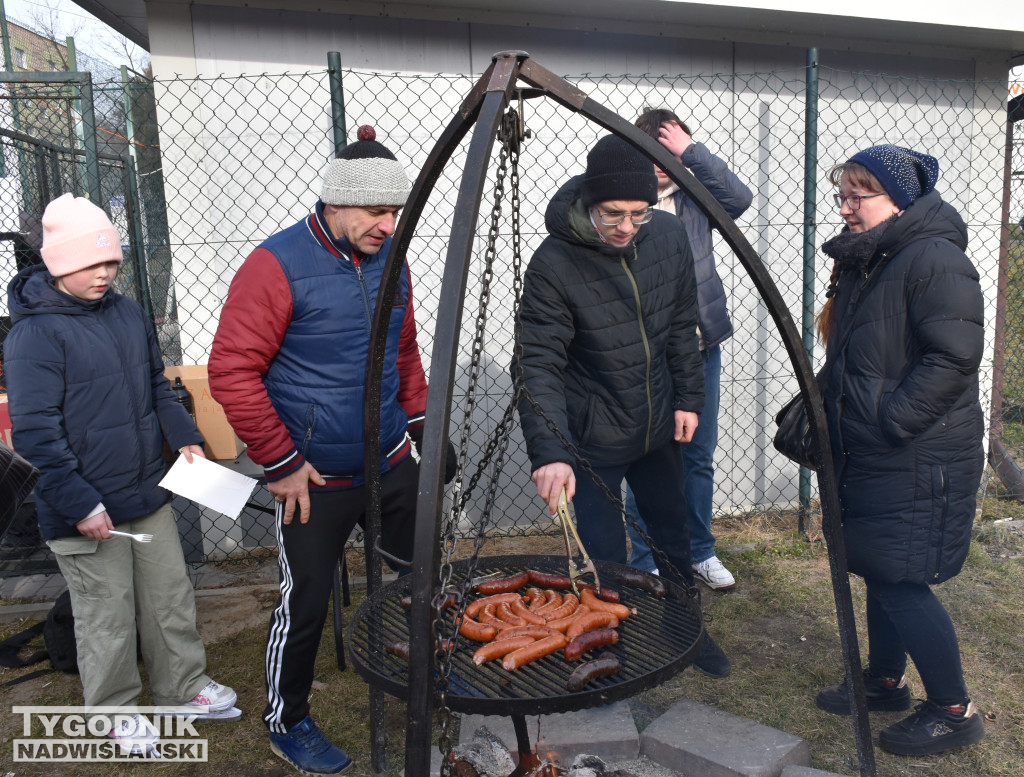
(853, 200)
(614, 219)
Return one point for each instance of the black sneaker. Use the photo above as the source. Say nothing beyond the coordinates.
(934, 728)
(884, 694)
(712, 660)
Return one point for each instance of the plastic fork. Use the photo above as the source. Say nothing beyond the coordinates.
(136, 537)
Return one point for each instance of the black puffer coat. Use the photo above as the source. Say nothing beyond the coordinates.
(901, 394)
(610, 347)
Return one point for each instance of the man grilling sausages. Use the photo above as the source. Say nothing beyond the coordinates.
(611, 357)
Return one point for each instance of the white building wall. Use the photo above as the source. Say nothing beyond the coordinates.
(753, 119)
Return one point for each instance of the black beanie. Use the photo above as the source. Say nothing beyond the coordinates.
(617, 171)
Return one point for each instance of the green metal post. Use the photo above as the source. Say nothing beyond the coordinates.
(92, 161)
(810, 232)
(135, 236)
(337, 101)
(129, 123)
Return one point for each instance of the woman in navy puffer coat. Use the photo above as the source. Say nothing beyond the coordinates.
(904, 331)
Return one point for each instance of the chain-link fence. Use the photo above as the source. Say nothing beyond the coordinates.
(236, 159)
(1007, 437)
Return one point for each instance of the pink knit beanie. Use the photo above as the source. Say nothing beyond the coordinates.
(76, 235)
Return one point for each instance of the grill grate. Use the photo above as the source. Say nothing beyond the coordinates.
(656, 643)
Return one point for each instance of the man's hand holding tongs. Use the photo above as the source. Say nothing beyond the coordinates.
(551, 479)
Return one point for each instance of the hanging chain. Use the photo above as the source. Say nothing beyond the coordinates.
(445, 630)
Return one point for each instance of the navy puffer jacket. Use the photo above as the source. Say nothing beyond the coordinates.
(609, 339)
(901, 393)
(735, 197)
(89, 403)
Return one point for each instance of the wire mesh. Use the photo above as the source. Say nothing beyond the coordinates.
(219, 164)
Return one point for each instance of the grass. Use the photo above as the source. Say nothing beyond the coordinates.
(778, 627)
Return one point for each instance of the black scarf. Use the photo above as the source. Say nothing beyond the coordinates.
(855, 250)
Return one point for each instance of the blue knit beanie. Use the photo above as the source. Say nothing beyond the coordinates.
(904, 174)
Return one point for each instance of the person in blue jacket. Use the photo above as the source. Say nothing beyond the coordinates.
(90, 408)
(714, 328)
(904, 334)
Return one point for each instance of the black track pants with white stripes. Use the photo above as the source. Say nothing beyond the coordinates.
(308, 557)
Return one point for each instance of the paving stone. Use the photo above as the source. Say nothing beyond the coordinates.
(699, 740)
(807, 771)
(608, 732)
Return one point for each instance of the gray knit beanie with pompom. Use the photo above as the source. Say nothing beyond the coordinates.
(365, 174)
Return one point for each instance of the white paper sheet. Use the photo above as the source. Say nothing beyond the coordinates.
(210, 484)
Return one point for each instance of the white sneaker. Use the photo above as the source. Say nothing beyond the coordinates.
(714, 573)
(215, 696)
(136, 735)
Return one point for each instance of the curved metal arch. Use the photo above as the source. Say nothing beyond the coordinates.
(484, 107)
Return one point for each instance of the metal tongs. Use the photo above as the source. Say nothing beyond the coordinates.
(588, 567)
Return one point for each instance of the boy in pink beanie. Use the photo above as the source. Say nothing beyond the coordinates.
(91, 408)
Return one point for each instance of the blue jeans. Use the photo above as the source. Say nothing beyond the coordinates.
(657, 481)
(699, 485)
(907, 618)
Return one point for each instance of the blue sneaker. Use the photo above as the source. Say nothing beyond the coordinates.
(307, 749)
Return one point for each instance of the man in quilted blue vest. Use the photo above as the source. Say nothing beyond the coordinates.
(288, 364)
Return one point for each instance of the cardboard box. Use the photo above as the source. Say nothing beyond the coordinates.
(221, 440)
(5, 423)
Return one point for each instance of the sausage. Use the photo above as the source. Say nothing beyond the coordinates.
(606, 594)
(538, 649)
(503, 585)
(588, 641)
(563, 623)
(449, 601)
(536, 598)
(478, 632)
(592, 620)
(504, 612)
(493, 650)
(525, 631)
(397, 648)
(605, 665)
(477, 605)
(620, 611)
(568, 606)
(547, 580)
(554, 600)
(645, 581)
(490, 617)
(520, 609)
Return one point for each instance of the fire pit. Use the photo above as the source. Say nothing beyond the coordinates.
(656, 643)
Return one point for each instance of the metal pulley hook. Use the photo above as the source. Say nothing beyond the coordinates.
(512, 129)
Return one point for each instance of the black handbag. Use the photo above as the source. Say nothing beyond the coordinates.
(793, 438)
